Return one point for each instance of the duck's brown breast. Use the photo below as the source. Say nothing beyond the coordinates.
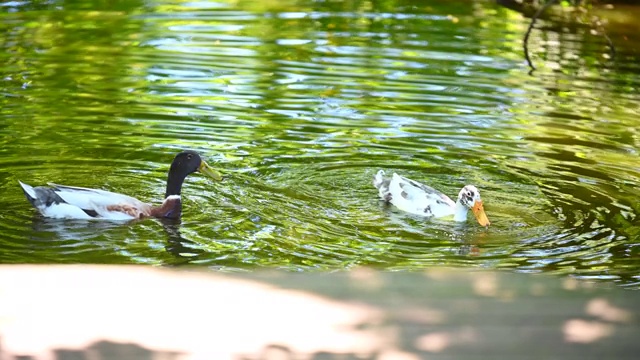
(170, 208)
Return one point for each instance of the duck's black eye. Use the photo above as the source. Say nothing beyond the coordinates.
(469, 197)
(189, 156)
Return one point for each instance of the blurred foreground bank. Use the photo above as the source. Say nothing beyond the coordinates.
(128, 312)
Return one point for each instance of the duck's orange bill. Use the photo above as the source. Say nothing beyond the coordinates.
(478, 211)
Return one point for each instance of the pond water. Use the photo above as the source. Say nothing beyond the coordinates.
(298, 104)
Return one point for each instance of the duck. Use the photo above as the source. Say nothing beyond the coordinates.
(70, 202)
(416, 198)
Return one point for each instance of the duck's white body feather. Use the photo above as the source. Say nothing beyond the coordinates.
(87, 198)
(413, 197)
(59, 201)
(64, 211)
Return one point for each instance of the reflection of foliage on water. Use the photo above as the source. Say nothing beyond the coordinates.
(566, 21)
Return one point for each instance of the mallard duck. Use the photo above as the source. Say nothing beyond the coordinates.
(59, 201)
(416, 198)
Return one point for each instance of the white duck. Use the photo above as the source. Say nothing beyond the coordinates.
(416, 198)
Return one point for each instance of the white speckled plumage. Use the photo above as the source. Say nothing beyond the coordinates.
(416, 198)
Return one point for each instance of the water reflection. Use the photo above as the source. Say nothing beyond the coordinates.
(185, 251)
(76, 230)
(300, 104)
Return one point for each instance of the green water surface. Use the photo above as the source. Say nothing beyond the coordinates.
(298, 104)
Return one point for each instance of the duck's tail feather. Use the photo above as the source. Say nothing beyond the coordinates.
(40, 196)
(29, 192)
(379, 180)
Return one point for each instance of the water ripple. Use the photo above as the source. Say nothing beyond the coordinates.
(298, 108)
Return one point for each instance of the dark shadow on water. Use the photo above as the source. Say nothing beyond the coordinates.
(182, 249)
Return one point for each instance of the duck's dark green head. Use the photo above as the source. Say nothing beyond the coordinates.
(183, 164)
